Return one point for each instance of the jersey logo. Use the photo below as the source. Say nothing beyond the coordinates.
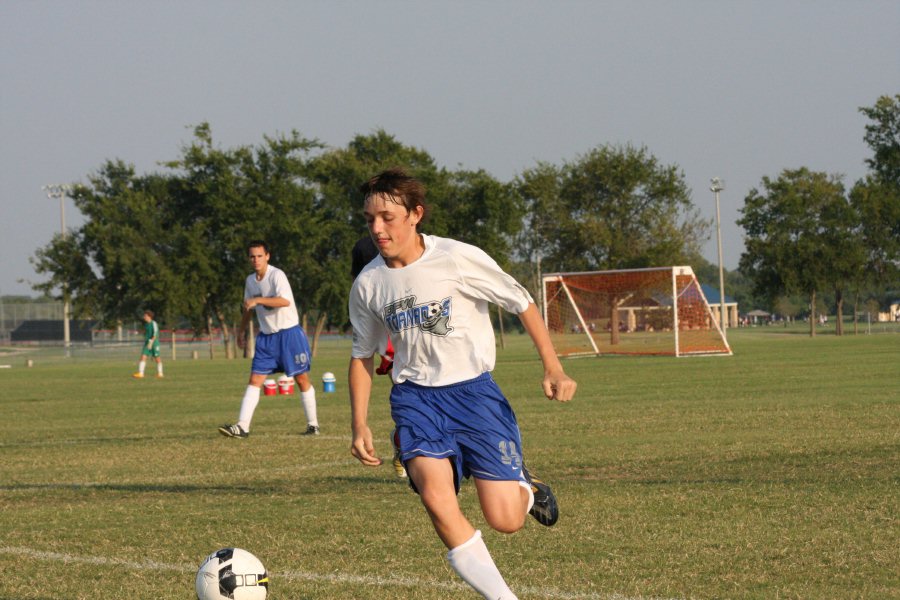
(432, 317)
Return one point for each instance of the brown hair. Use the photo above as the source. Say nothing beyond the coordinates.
(258, 244)
(402, 189)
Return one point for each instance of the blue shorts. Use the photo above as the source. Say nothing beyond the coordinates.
(285, 351)
(470, 423)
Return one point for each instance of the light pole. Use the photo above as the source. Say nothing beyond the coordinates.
(717, 186)
(59, 191)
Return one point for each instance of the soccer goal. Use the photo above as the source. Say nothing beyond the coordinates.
(636, 311)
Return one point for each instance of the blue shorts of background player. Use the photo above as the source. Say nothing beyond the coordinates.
(471, 423)
(285, 351)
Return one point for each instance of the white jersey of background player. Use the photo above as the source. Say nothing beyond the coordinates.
(274, 284)
(432, 296)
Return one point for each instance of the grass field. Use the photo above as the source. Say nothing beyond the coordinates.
(774, 473)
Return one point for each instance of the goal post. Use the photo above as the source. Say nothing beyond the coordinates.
(654, 311)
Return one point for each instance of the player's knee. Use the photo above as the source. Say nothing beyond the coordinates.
(506, 523)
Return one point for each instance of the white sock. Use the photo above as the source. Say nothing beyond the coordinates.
(309, 405)
(527, 486)
(473, 563)
(159, 368)
(141, 366)
(248, 405)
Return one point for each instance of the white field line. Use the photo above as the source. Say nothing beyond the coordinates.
(338, 578)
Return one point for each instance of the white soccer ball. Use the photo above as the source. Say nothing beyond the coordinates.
(232, 574)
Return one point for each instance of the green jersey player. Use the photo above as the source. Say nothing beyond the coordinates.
(150, 347)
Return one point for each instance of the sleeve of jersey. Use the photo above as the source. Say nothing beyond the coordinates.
(485, 280)
(367, 331)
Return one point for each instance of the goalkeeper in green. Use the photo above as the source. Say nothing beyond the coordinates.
(150, 347)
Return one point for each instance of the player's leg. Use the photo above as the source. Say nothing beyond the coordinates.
(142, 364)
(159, 365)
(308, 398)
(434, 479)
(505, 504)
(294, 355)
(397, 460)
(506, 490)
(263, 364)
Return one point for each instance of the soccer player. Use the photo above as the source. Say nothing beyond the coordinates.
(431, 294)
(150, 347)
(281, 344)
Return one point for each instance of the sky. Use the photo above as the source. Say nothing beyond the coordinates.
(719, 88)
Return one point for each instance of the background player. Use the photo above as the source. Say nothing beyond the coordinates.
(150, 347)
(453, 421)
(281, 344)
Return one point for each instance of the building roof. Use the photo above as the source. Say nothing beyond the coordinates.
(712, 295)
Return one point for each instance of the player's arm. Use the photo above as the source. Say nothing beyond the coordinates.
(242, 328)
(360, 383)
(275, 302)
(557, 385)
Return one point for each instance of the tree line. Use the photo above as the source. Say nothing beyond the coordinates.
(805, 234)
(175, 240)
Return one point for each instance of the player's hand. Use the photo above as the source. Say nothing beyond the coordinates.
(363, 448)
(559, 386)
(249, 303)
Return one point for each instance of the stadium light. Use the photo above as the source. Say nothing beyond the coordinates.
(717, 185)
(57, 190)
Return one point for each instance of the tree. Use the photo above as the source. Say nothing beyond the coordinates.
(876, 198)
(227, 197)
(613, 208)
(790, 232)
(883, 137)
(117, 263)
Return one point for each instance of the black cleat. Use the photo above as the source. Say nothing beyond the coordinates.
(235, 431)
(545, 509)
(311, 430)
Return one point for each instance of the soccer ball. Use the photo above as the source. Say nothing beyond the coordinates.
(434, 310)
(232, 574)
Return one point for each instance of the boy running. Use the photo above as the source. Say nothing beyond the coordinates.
(431, 295)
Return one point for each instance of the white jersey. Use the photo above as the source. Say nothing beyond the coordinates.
(435, 310)
(274, 284)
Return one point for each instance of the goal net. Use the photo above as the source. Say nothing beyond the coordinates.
(636, 311)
